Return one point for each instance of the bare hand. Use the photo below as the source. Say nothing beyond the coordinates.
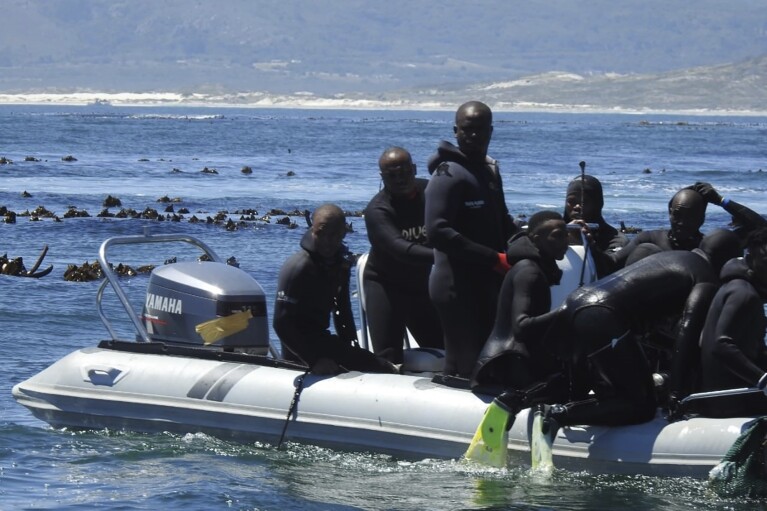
(585, 231)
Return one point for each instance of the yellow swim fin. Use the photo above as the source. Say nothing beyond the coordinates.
(215, 329)
(491, 441)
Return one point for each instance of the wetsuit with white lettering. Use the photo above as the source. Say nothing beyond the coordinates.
(468, 224)
(310, 289)
(732, 344)
(396, 276)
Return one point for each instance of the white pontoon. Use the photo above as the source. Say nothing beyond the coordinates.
(168, 379)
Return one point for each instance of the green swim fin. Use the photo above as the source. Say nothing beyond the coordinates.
(491, 441)
(541, 443)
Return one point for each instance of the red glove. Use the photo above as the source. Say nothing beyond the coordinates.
(502, 266)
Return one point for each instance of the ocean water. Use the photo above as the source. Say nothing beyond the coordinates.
(131, 153)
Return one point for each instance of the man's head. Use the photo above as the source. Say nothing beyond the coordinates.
(756, 256)
(586, 189)
(686, 214)
(328, 229)
(548, 232)
(473, 129)
(398, 172)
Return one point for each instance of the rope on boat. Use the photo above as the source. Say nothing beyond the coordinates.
(293, 405)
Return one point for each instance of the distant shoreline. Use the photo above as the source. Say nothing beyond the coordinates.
(307, 101)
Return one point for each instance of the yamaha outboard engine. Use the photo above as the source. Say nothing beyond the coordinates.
(206, 303)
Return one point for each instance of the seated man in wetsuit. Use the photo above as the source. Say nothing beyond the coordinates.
(396, 276)
(686, 212)
(596, 331)
(732, 343)
(313, 285)
(514, 356)
(583, 205)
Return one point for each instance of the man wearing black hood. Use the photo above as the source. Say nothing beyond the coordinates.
(583, 205)
(468, 224)
(732, 343)
(313, 285)
(514, 356)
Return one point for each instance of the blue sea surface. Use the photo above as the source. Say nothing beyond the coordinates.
(300, 159)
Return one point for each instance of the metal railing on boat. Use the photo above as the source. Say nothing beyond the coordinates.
(112, 279)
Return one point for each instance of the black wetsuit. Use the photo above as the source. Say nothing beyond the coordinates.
(607, 239)
(661, 238)
(604, 318)
(468, 224)
(310, 289)
(744, 220)
(396, 277)
(514, 356)
(732, 344)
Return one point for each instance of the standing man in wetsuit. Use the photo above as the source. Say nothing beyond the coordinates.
(396, 276)
(732, 343)
(313, 285)
(468, 224)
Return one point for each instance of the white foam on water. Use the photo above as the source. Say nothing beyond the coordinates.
(308, 100)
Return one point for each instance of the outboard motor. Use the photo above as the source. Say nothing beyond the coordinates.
(205, 303)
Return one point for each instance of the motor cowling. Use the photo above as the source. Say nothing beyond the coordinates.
(206, 303)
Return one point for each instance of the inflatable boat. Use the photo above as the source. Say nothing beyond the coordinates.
(201, 362)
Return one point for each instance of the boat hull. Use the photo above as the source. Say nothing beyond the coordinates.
(403, 415)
